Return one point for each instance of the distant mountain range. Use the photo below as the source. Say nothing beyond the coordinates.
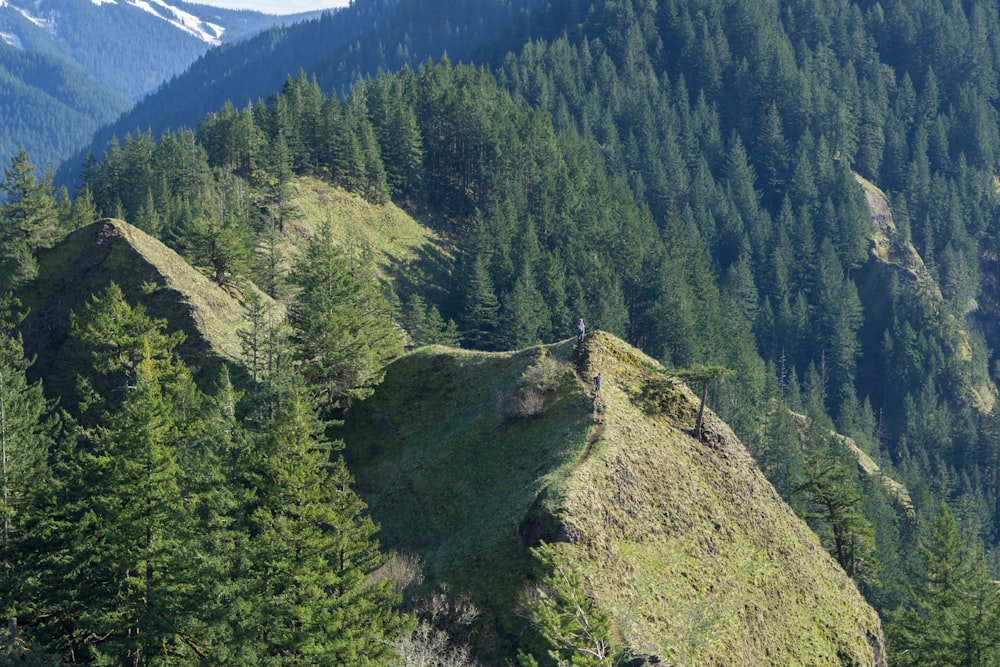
(338, 49)
(69, 67)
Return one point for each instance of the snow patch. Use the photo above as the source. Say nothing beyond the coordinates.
(189, 23)
(101, 2)
(41, 23)
(11, 38)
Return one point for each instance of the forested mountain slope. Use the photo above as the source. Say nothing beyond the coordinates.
(338, 49)
(68, 68)
(712, 182)
(127, 47)
(544, 229)
(468, 459)
(48, 106)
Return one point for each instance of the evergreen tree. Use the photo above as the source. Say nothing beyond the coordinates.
(953, 610)
(573, 629)
(116, 576)
(834, 496)
(219, 245)
(28, 218)
(305, 591)
(481, 313)
(26, 436)
(425, 325)
(342, 331)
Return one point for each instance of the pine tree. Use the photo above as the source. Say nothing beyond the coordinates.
(120, 336)
(342, 331)
(26, 436)
(305, 595)
(116, 573)
(481, 315)
(573, 629)
(834, 496)
(28, 218)
(953, 611)
(220, 246)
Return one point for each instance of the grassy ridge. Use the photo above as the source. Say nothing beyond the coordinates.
(684, 544)
(106, 251)
(450, 473)
(689, 547)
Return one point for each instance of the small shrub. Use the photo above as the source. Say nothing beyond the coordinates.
(443, 635)
(545, 375)
(529, 402)
(404, 570)
(428, 647)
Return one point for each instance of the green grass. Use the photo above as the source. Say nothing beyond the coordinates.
(450, 474)
(685, 544)
(148, 272)
(406, 252)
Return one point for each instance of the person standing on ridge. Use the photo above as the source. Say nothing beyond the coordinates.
(581, 330)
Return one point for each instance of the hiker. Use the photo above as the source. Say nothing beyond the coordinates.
(581, 330)
(597, 384)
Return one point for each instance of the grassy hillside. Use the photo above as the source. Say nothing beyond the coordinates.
(405, 251)
(90, 258)
(683, 543)
(391, 236)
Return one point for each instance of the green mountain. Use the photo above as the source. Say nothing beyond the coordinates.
(337, 49)
(804, 193)
(683, 544)
(69, 68)
(49, 106)
(149, 273)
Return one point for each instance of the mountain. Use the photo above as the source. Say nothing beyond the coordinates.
(48, 105)
(87, 260)
(141, 45)
(802, 193)
(683, 544)
(68, 68)
(338, 49)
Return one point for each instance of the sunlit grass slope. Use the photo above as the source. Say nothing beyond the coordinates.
(684, 543)
(90, 258)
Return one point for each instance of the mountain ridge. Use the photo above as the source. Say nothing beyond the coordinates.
(150, 273)
(141, 45)
(667, 531)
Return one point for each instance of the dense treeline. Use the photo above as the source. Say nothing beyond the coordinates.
(38, 87)
(146, 521)
(686, 177)
(636, 204)
(74, 67)
(338, 48)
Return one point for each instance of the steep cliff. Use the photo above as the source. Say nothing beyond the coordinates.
(467, 459)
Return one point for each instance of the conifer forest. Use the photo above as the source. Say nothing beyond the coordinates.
(803, 194)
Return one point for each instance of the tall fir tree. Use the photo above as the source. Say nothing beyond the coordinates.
(28, 218)
(952, 613)
(27, 432)
(304, 586)
(116, 574)
(342, 328)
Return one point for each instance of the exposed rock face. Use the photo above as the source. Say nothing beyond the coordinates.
(684, 543)
(893, 258)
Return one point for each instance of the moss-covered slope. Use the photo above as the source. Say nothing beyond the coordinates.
(683, 543)
(86, 261)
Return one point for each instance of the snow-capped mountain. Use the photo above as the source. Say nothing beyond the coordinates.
(69, 67)
(128, 46)
(206, 31)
